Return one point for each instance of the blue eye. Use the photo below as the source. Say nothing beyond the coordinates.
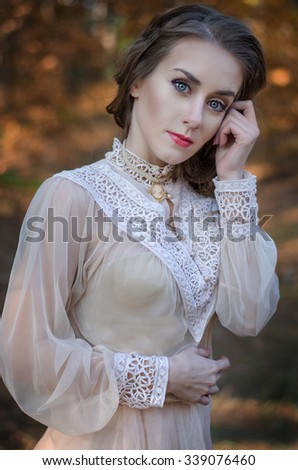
(181, 86)
(216, 105)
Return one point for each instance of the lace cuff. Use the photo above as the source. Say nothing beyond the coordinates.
(142, 380)
(237, 206)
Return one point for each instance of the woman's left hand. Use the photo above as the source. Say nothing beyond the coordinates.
(234, 139)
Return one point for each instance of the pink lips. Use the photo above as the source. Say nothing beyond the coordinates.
(180, 139)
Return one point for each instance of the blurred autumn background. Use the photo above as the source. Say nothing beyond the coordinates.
(57, 60)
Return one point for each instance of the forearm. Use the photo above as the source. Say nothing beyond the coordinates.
(248, 286)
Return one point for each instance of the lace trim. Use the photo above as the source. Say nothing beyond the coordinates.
(247, 183)
(116, 158)
(141, 380)
(237, 206)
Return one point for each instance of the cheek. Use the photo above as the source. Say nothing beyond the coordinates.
(155, 100)
(148, 107)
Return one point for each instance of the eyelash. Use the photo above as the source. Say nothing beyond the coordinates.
(222, 105)
(178, 82)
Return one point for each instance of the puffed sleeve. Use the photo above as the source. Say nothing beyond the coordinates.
(248, 286)
(54, 376)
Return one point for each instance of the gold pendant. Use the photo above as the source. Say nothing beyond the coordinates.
(158, 192)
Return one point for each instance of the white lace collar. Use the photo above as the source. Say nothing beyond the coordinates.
(115, 157)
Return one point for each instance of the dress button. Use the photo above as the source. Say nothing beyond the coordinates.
(206, 278)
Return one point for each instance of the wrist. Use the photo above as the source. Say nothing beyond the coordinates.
(171, 374)
(233, 175)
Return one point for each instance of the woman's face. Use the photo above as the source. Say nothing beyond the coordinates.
(182, 103)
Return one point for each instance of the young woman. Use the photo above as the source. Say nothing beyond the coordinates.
(122, 264)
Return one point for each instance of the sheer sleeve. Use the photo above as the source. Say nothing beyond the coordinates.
(55, 377)
(248, 286)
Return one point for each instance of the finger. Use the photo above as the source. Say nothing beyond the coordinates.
(213, 390)
(205, 352)
(218, 376)
(216, 139)
(223, 363)
(204, 400)
(246, 108)
(225, 131)
(230, 128)
(238, 122)
(237, 129)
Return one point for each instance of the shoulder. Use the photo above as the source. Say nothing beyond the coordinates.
(64, 194)
(62, 189)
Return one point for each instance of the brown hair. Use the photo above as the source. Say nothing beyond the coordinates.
(162, 33)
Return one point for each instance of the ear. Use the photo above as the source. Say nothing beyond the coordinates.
(135, 89)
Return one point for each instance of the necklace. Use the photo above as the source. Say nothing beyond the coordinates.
(156, 183)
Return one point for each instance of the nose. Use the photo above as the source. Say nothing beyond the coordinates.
(193, 116)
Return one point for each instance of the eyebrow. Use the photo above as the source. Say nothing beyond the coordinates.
(193, 79)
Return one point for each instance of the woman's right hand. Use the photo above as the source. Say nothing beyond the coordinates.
(193, 375)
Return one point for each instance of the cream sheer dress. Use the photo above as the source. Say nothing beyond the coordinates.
(87, 303)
